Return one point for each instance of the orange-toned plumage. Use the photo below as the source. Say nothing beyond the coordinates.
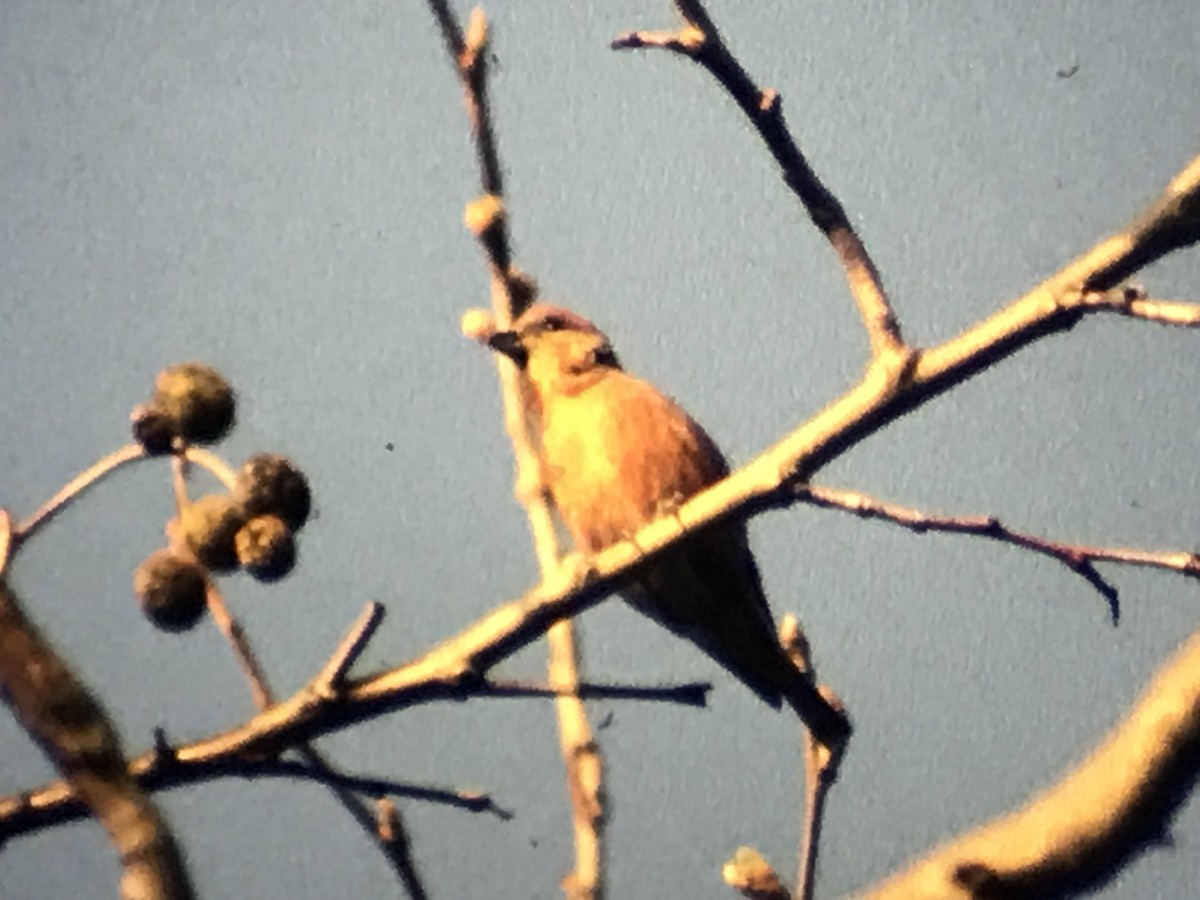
(617, 454)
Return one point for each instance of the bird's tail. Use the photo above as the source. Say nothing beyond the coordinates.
(710, 592)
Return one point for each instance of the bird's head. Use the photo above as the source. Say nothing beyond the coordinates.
(560, 351)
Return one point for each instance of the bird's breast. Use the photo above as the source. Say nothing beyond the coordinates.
(620, 454)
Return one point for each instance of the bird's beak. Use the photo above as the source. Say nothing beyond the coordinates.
(509, 343)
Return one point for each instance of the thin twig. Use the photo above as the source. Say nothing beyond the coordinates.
(455, 798)
(700, 41)
(396, 852)
(1132, 301)
(692, 694)
(821, 763)
(231, 628)
(5, 540)
(511, 292)
(1079, 558)
(391, 831)
(215, 465)
(329, 679)
(225, 621)
(327, 682)
(72, 489)
(161, 769)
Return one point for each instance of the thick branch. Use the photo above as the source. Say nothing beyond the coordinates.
(73, 730)
(1078, 834)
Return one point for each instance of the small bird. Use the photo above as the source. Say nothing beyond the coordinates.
(616, 454)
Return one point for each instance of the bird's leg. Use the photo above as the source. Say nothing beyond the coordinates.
(670, 506)
(663, 507)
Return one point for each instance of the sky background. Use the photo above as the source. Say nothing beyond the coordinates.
(277, 188)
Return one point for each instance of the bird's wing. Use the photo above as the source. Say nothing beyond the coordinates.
(710, 592)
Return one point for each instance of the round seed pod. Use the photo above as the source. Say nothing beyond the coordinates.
(266, 548)
(171, 590)
(208, 525)
(153, 427)
(270, 484)
(198, 399)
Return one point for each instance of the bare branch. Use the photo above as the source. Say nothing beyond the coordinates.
(584, 765)
(1079, 558)
(821, 764)
(95, 473)
(235, 635)
(451, 33)
(329, 680)
(215, 465)
(1078, 834)
(60, 713)
(897, 380)
(511, 293)
(700, 41)
(56, 804)
(391, 832)
(1132, 301)
(72, 489)
(1171, 223)
(452, 671)
(1154, 753)
(771, 480)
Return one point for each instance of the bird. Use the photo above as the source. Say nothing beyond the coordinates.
(617, 453)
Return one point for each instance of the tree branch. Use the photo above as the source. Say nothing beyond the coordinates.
(67, 722)
(700, 41)
(1079, 558)
(1078, 834)
(511, 294)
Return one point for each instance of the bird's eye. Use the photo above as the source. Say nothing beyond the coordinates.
(606, 356)
(553, 323)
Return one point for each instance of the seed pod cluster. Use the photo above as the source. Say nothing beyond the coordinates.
(192, 402)
(252, 527)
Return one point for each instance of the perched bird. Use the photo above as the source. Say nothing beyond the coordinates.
(616, 454)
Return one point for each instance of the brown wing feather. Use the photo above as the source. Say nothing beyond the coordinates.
(709, 593)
